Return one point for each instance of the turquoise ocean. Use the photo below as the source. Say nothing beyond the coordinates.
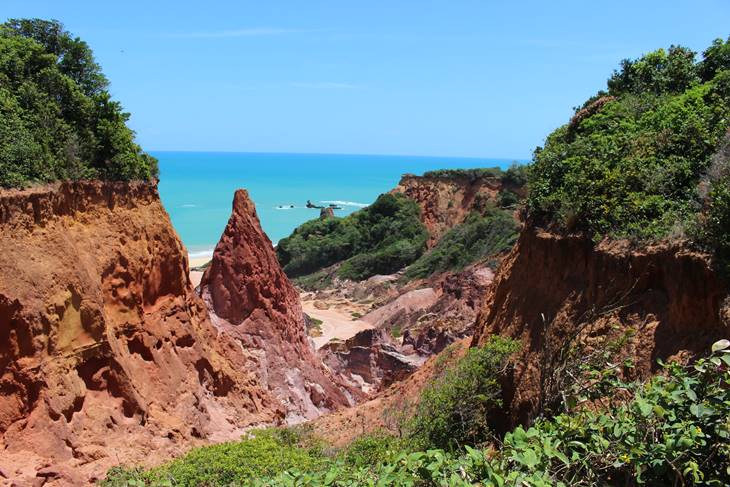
(197, 187)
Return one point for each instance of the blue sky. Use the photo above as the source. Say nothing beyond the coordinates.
(451, 78)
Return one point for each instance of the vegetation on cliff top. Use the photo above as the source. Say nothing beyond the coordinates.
(637, 160)
(479, 237)
(379, 239)
(515, 175)
(57, 119)
(671, 430)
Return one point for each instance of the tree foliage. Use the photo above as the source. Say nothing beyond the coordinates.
(630, 162)
(57, 119)
(379, 239)
(480, 236)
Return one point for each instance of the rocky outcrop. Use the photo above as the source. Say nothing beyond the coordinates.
(252, 301)
(106, 354)
(427, 341)
(325, 213)
(447, 201)
(403, 308)
(435, 315)
(370, 360)
(562, 294)
(389, 408)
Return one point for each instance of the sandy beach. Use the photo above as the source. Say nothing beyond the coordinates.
(337, 322)
(196, 276)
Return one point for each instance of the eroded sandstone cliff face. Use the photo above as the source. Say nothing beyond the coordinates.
(107, 355)
(448, 201)
(558, 294)
(252, 301)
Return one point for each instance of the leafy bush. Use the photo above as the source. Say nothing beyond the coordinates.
(379, 239)
(468, 174)
(58, 120)
(675, 430)
(719, 221)
(516, 176)
(478, 237)
(453, 409)
(717, 226)
(265, 454)
(373, 448)
(630, 161)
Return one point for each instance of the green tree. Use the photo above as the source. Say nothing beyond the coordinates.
(629, 164)
(379, 239)
(58, 120)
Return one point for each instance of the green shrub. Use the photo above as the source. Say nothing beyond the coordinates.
(453, 409)
(468, 174)
(58, 119)
(314, 282)
(478, 237)
(379, 239)
(266, 454)
(516, 176)
(719, 222)
(507, 198)
(674, 430)
(372, 449)
(629, 163)
(717, 226)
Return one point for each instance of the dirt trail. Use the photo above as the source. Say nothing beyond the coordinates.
(336, 323)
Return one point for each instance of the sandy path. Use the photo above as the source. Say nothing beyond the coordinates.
(336, 323)
(195, 276)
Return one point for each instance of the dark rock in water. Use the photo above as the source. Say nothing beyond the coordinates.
(325, 213)
(312, 205)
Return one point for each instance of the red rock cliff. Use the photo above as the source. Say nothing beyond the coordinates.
(447, 201)
(252, 301)
(557, 292)
(106, 353)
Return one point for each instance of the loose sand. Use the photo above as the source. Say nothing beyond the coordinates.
(337, 322)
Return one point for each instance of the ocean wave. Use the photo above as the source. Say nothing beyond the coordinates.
(346, 203)
(201, 253)
(189, 205)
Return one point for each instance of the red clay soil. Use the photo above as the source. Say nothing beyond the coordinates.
(107, 355)
(557, 292)
(447, 201)
(385, 410)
